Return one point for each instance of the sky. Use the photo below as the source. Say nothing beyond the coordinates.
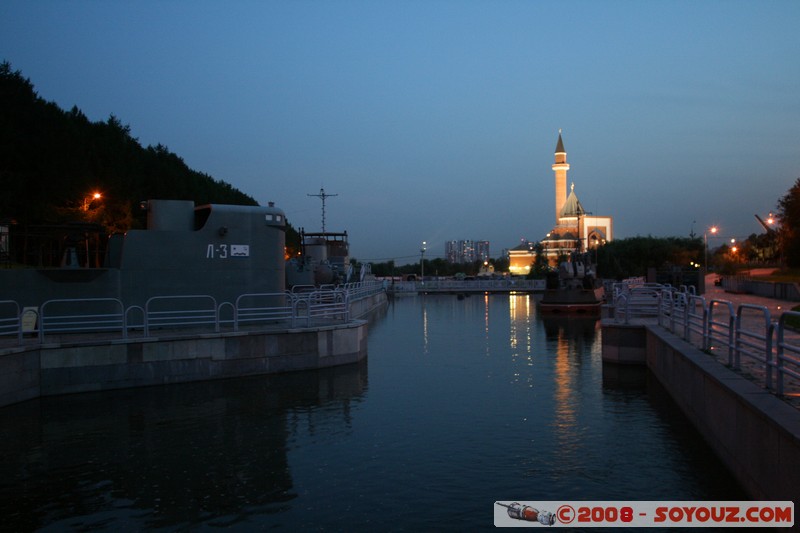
(437, 120)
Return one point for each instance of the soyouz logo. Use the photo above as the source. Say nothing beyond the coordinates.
(529, 514)
(645, 513)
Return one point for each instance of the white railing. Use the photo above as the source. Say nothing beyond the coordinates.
(721, 327)
(673, 307)
(638, 301)
(696, 319)
(11, 321)
(753, 343)
(364, 289)
(788, 354)
(744, 332)
(468, 285)
(263, 308)
(74, 317)
(331, 305)
(195, 310)
(96, 314)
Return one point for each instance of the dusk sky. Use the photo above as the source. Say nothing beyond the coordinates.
(437, 120)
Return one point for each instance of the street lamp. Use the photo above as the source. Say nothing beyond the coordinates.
(87, 202)
(422, 262)
(713, 230)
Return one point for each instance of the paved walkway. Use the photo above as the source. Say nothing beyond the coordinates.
(776, 307)
(753, 369)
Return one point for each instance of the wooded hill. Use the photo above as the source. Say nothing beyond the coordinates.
(52, 160)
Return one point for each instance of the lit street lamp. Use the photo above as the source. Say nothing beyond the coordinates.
(422, 262)
(713, 230)
(87, 202)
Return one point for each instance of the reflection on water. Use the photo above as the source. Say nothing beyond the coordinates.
(166, 456)
(470, 400)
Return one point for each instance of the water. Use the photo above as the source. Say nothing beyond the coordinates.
(461, 403)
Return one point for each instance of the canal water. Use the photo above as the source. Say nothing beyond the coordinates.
(462, 401)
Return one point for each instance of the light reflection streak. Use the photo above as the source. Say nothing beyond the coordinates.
(425, 346)
(565, 420)
(564, 335)
(512, 311)
(570, 336)
(486, 320)
(520, 331)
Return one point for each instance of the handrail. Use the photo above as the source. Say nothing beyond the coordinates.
(694, 322)
(12, 325)
(176, 317)
(225, 305)
(643, 302)
(82, 322)
(673, 304)
(313, 307)
(744, 339)
(721, 326)
(785, 352)
(454, 285)
(747, 331)
(621, 302)
(328, 304)
(129, 311)
(263, 313)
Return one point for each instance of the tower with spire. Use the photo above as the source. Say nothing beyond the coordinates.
(575, 229)
(560, 167)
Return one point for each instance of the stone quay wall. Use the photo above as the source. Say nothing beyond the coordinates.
(61, 368)
(752, 431)
(53, 368)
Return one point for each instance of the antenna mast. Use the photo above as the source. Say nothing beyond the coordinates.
(322, 195)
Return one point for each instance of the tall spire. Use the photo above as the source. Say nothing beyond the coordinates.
(560, 167)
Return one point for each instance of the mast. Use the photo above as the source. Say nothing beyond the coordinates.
(322, 195)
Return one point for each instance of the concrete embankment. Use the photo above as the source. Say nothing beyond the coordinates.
(756, 434)
(27, 372)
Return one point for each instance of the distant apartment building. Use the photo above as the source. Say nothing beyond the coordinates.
(466, 251)
(482, 251)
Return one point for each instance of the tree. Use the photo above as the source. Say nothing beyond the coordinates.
(500, 264)
(383, 270)
(50, 159)
(789, 217)
(540, 265)
(631, 257)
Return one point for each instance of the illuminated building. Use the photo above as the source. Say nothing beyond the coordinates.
(574, 229)
(521, 257)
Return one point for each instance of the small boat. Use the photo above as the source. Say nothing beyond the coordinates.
(574, 289)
